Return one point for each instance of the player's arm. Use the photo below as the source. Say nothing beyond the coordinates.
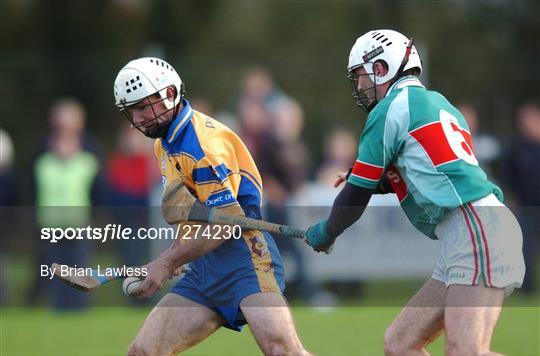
(377, 147)
(350, 204)
(215, 187)
(348, 207)
(169, 263)
(181, 251)
(384, 186)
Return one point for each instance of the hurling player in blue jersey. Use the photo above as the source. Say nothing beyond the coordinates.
(231, 281)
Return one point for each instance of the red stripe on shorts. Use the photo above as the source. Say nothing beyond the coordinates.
(485, 244)
(475, 250)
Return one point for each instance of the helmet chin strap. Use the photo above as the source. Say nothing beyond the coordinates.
(403, 64)
(176, 109)
(398, 73)
(375, 101)
(163, 128)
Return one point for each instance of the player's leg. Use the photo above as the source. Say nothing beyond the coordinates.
(470, 318)
(422, 319)
(419, 323)
(480, 275)
(175, 324)
(272, 325)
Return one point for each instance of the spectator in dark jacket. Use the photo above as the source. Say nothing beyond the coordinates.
(521, 174)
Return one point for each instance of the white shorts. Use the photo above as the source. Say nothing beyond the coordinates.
(481, 242)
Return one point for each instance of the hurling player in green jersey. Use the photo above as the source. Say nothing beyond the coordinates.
(417, 145)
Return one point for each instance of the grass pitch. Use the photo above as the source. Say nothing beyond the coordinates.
(343, 331)
(355, 328)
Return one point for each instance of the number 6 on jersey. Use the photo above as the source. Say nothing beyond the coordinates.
(456, 139)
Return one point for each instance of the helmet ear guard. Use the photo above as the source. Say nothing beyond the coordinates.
(179, 94)
(405, 60)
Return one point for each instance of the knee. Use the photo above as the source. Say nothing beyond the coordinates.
(274, 349)
(392, 346)
(396, 343)
(282, 347)
(139, 349)
(454, 348)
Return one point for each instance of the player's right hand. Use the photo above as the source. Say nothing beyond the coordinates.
(318, 238)
(342, 177)
(158, 273)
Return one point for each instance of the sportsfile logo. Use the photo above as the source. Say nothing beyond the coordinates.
(118, 232)
(103, 234)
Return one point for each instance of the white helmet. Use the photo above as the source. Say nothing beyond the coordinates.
(387, 45)
(382, 45)
(143, 77)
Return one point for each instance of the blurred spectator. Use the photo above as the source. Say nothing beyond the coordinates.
(316, 198)
(522, 175)
(255, 103)
(202, 105)
(67, 116)
(65, 176)
(258, 86)
(8, 198)
(228, 119)
(269, 118)
(283, 157)
(319, 194)
(255, 123)
(130, 173)
(283, 162)
(487, 148)
(225, 117)
(271, 124)
(8, 183)
(338, 156)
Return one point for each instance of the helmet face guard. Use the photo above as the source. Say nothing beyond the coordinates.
(151, 127)
(361, 96)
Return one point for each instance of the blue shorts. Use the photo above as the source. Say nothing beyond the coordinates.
(222, 278)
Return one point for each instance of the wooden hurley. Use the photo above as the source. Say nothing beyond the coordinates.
(179, 205)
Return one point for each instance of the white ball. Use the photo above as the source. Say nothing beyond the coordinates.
(130, 284)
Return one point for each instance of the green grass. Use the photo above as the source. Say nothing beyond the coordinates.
(344, 331)
(355, 328)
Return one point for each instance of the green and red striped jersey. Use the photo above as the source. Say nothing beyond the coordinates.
(421, 143)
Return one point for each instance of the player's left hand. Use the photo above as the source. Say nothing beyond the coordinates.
(318, 238)
(158, 273)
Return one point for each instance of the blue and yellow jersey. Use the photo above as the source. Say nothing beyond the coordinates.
(211, 160)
